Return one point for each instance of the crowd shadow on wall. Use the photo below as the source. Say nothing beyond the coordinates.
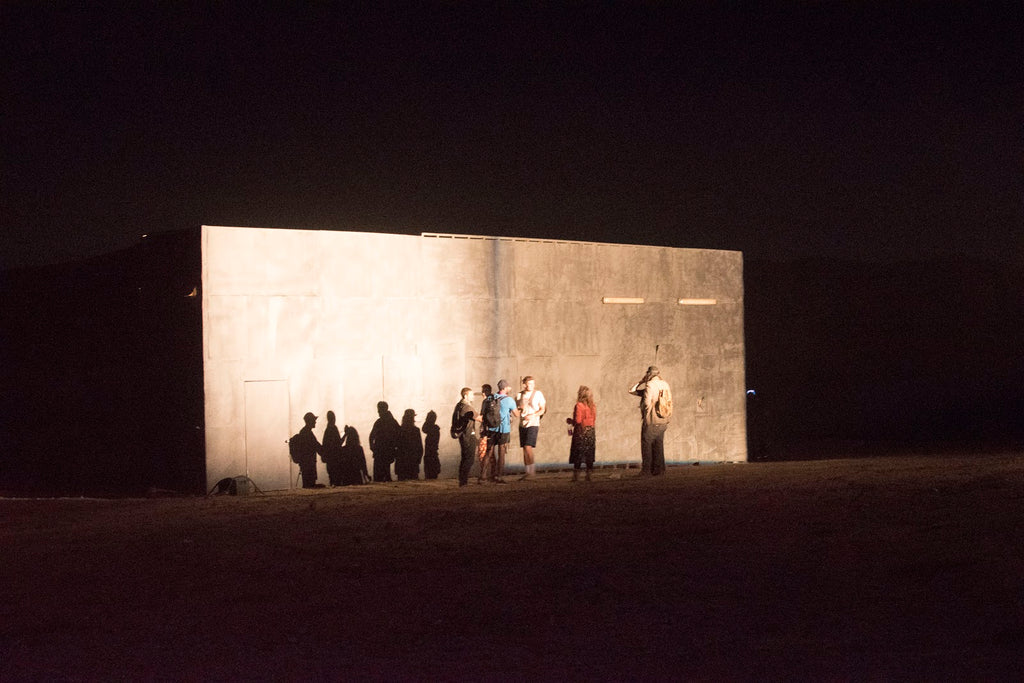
(402, 446)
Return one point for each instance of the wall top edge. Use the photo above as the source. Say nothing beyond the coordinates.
(453, 236)
(538, 240)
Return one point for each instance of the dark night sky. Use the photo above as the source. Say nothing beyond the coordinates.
(786, 130)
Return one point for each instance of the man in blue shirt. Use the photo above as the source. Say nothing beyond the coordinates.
(493, 466)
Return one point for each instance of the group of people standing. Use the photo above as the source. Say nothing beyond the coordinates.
(390, 442)
(480, 440)
(484, 435)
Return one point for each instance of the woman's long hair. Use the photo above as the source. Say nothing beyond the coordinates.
(585, 396)
(351, 436)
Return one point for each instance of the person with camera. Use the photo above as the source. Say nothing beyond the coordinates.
(655, 412)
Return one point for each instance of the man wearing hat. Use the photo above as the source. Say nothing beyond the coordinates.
(307, 450)
(652, 434)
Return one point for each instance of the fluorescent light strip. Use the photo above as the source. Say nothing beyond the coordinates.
(697, 302)
(621, 300)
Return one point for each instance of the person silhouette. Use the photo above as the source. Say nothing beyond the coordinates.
(306, 450)
(331, 450)
(384, 442)
(431, 444)
(410, 452)
(353, 459)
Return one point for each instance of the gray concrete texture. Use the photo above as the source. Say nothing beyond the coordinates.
(307, 320)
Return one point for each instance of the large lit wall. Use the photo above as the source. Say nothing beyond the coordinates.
(309, 320)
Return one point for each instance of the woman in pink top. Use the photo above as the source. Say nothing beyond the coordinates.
(583, 440)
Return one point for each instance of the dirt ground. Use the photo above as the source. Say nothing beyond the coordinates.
(903, 567)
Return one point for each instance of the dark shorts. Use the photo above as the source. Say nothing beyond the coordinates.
(528, 436)
(498, 438)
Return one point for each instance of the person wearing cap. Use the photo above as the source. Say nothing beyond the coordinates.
(498, 439)
(307, 450)
(652, 432)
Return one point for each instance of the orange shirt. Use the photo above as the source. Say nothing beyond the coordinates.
(584, 415)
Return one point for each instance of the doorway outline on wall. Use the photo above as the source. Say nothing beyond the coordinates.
(266, 433)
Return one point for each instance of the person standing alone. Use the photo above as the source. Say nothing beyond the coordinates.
(655, 411)
(532, 405)
(584, 439)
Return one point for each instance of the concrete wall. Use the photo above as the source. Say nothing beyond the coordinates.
(298, 321)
